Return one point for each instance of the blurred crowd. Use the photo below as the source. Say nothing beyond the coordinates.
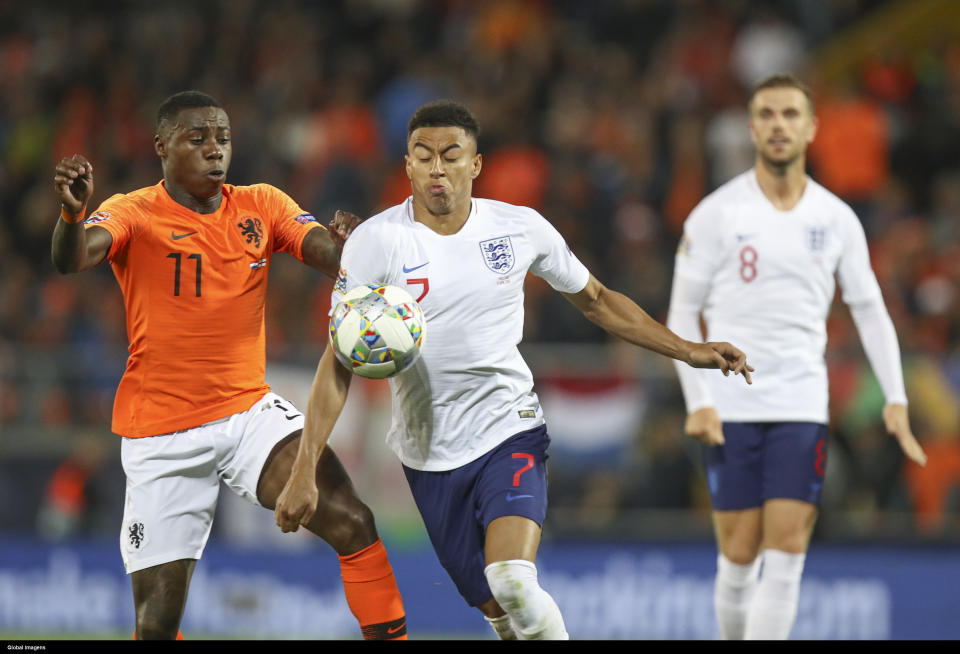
(611, 117)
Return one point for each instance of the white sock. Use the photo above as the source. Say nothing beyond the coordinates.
(774, 607)
(534, 614)
(732, 593)
(503, 627)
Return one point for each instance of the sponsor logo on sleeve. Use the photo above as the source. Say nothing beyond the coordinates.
(340, 285)
(305, 218)
(683, 249)
(97, 217)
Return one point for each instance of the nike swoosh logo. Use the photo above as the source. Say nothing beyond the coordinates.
(408, 270)
(292, 417)
(393, 630)
(177, 237)
(511, 497)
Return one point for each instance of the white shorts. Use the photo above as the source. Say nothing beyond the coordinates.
(173, 479)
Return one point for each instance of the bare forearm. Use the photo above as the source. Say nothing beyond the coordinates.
(75, 247)
(68, 246)
(320, 252)
(327, 397)
(620, 316)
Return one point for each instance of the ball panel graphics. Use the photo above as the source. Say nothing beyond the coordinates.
(377, 331)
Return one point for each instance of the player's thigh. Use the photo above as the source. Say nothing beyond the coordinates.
(788, 525)
(739, 534)
(171, 495)
(734, 470)
(333, 482)
(256, 452)
(511, 496)
(512, 537)
(260, 466)
(795, 459)
(449, 511)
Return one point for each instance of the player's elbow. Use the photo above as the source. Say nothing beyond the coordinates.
(591, 301)
(593, 310)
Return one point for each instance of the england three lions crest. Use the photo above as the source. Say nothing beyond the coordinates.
(498, 254)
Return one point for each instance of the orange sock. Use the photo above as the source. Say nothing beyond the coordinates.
(179, 634)
(372, 593)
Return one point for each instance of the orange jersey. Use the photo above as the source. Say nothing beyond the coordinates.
(194, 286)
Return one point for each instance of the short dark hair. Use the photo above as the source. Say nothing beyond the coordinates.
(183, 100)
(778, 81)
(444, 113)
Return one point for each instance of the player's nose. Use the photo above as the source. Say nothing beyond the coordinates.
(213, 149)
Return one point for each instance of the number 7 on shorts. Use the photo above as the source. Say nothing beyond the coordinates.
(529, 459)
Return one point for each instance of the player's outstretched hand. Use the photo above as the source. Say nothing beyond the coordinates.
(704, 425)
(898, 423)
(342, 226)
(297, 502)
(73, 182)
(723, 356)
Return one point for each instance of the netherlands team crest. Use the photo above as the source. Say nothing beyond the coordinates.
(135, 535)
(498, 254)
(251, 228)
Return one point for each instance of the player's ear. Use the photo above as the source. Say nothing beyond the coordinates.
(814, 123)
(753, 134)
(159, 146)
(476, 165)
(408, 165)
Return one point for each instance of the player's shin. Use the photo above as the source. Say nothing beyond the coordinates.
(372, 593)
(534, 614)
(774, 607)
(732, 595)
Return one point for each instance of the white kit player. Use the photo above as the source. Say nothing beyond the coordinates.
(467, 425)
(758, 258)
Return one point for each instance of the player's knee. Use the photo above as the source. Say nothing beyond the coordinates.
(533, 612)
(348, 528)
(741, 551)
(741, 555)
(793, 540)
(507, 580)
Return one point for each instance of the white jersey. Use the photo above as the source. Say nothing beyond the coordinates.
(771, 283)
(470, 390)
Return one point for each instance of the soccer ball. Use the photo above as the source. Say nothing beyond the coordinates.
(377, 331)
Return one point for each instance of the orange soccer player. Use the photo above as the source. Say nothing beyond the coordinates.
(191, 255)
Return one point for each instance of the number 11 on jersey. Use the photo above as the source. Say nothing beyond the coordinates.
(176, 256)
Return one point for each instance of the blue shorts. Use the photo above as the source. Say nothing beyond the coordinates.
(457, 505)
(765, 460)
